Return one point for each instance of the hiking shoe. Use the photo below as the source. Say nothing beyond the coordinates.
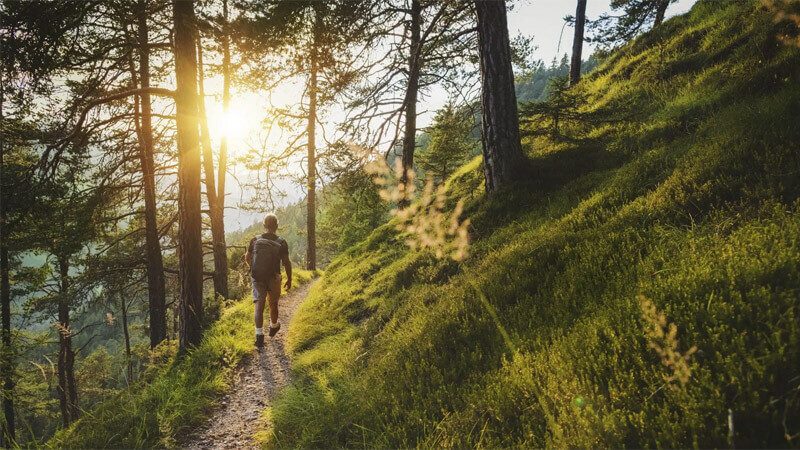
(259, 341)
(274, 331)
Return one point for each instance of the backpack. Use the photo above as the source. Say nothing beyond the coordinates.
(266, 258)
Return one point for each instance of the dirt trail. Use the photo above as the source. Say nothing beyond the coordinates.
(255, 384)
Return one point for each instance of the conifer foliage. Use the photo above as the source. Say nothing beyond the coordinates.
(597, 252)
(629, 19)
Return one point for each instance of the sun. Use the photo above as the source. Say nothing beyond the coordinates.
(236, 125)
(232, 124)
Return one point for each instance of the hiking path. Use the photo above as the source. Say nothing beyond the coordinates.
(255, 383)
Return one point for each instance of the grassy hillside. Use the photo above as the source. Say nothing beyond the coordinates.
(683, 190)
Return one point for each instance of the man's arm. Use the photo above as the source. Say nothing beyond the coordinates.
(287, 264)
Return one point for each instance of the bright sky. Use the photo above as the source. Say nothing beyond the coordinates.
(542, 19)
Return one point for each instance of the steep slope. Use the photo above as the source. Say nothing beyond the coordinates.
(682, 191)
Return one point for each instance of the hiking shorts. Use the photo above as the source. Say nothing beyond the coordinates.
(261, 288)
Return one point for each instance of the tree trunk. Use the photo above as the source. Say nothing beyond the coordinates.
(128, 368)
(577, 43)
(412, 91)
(502, 152)
(7, 363)
(311, 198)
(214, 211)
(67, 392)
(176, 312)
(223, 146)
(156, 289)
(190, 250)
(661, 12)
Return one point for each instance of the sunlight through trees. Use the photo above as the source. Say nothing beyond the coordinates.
(598, 249)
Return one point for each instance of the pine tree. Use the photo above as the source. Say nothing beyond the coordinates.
(7, 355)
(437, 42)
(144, 128)
(190, 248)
(215, 191)
(502, 150)
(99, 82)
(318, 35)
(563, 106)
(449, 143)
(63, 233)
(634, 17)
(577, 43)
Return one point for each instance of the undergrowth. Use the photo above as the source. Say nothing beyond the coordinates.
(176, 394)
(681, 189)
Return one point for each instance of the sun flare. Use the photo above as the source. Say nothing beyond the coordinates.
(237, 124)
(232, 124)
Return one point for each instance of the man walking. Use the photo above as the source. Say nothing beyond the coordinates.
(264, 255)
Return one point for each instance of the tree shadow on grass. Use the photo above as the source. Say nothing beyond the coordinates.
(273, 367)
(543, 176)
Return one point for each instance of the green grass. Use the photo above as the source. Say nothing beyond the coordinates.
(687, 193)
(176, 394)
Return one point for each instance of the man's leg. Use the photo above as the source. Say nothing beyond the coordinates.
(274, 295)
(259, 297)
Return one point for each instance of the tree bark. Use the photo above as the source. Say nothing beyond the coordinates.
(311, 197)
(190, 250)
(502, 152)
(67, 391)
(126, 335)
(223, 146)
(577, 43)
(7, 363)
(176, 313)
(220, 252)
(412, 91)
(661, 12)
(156, 289)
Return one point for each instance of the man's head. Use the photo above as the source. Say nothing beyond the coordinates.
(271, 223)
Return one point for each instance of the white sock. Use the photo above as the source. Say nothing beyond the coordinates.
(273, 324)
(259, 331)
